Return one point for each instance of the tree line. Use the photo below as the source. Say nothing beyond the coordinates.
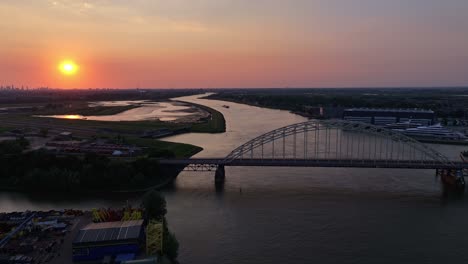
(41, 170)
(155, 209)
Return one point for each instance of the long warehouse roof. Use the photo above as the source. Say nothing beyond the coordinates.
(109, 231)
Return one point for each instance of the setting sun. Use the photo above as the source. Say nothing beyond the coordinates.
(68, 67)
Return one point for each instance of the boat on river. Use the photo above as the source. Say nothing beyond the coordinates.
(403, 125)
(436, 131)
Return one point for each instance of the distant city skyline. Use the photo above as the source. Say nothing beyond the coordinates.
(234, 44)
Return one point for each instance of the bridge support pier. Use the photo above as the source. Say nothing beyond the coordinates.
(220, 174)
(453, 181)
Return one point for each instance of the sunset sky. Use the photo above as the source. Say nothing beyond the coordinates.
(234, 43)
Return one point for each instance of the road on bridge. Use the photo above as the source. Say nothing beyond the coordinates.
(325, 163)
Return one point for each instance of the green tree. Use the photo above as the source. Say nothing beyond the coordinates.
(138, 180)
(14, 146)
(154, 204)
(161, 153)
(171, 245)
(44, 132)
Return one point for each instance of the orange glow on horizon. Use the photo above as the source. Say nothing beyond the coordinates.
(162, 44)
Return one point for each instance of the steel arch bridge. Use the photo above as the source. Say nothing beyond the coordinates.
(337, 139)
(329, 143)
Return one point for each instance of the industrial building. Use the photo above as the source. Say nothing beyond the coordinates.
(99, 241)
(381, 117)
(94, 148)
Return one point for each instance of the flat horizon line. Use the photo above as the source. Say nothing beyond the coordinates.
(247, 88)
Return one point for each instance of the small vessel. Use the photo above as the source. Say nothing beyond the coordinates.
(226, 106)
(435, 131)
(403, 125)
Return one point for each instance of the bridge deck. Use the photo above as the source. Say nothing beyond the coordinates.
(326, 163)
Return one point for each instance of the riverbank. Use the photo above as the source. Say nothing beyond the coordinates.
(248, 100)
(215, 124)
(84, 108)
(42, 173)
(36, 171)
(41, 118)
(21, 161)
(128, 133)
(196, 118)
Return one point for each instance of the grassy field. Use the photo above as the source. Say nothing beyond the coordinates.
(130, 130)
(216, 124)
(180, 150)
(81, 108)
(89, 126)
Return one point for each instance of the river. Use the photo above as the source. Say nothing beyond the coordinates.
(298, 215)
(303, 215)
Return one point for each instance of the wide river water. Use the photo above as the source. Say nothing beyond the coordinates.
(297, 215)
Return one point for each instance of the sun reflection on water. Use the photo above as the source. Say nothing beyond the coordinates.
(73, 116)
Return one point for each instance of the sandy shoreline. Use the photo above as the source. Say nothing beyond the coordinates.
(168, 111)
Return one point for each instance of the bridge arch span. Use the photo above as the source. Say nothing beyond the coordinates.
(336, 140)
